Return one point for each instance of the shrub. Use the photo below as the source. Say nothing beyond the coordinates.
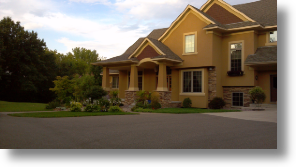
(104, 104)
(115, 109)
(95, 92)
(75, 107)
(257, 94)
(67, 101)
(187, 102)
(140, 105)
(92, 108)
(53, 104)
(115, 100)
(217, 103)
(155, 105)
(155, 97)
(134, 108)
(141, 96)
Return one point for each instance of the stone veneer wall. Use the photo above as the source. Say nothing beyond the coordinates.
(164, 99)
(130, 97)
(227, 95)
(212, 81)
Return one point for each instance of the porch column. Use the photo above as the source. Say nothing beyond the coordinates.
(106, 80)
(162, 78)
(134, 79)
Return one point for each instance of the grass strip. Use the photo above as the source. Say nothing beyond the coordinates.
(22, 106)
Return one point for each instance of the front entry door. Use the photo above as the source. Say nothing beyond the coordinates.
(273, 88)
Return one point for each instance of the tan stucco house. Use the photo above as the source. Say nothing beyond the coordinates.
(218, 50)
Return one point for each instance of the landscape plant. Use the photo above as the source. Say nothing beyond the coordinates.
(257, 95)
(155, 100)
(75, 107)
(217, 103)
(187, 103)
(114, 100)
(115, 109)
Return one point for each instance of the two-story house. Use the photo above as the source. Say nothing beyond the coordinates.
(218, 50)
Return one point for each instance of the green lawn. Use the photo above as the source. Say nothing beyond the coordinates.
(184, 110)
(20, 106)
(68, 114)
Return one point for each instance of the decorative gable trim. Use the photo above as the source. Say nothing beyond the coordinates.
(226, 6)
(142, 46)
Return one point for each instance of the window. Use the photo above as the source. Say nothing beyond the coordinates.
(192, 82)
(237, 99)
(115, 81)
(272, 36)
(236, 57)
(189, 43)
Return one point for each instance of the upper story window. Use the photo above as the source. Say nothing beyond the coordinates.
(189, 43)
(272, 36)
(236, 57)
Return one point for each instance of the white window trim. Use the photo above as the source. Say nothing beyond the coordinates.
(243, 54)
(202, 93)
(195, 43)
(268, 38)
(232, 99)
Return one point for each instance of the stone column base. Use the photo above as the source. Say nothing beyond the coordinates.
(130, 97)
(165, 98)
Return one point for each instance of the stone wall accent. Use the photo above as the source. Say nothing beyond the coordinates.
(164, 98)
(212, 81)
(227, 95)
(130, 97)
(175, 104)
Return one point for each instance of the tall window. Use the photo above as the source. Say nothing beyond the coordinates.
(192, 81)
(273, 36)
(189, 43)
(236, 57)
(115, 81)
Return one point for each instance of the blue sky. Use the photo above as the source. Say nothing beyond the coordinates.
(108, 26)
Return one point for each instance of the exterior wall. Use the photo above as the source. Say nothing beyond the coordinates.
(227, 95)
(192, 23)
(264, 83)
(175, 85)
(123, 81)
(217, 59)
(149, 80)
(248, 48)
(198, 101)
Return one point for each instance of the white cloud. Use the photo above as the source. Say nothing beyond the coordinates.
(105, 2)
(109, 38)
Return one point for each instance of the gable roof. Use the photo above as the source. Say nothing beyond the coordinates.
(154, 35)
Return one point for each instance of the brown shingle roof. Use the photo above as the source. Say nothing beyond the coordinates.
(263, 11)
(153, 36)
(233, 25)
(263, 55)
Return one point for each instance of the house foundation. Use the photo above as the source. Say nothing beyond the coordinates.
(227, 95)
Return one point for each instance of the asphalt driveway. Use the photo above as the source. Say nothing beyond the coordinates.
(147, 130)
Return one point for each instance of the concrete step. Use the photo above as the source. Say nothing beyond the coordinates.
(264, 105)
